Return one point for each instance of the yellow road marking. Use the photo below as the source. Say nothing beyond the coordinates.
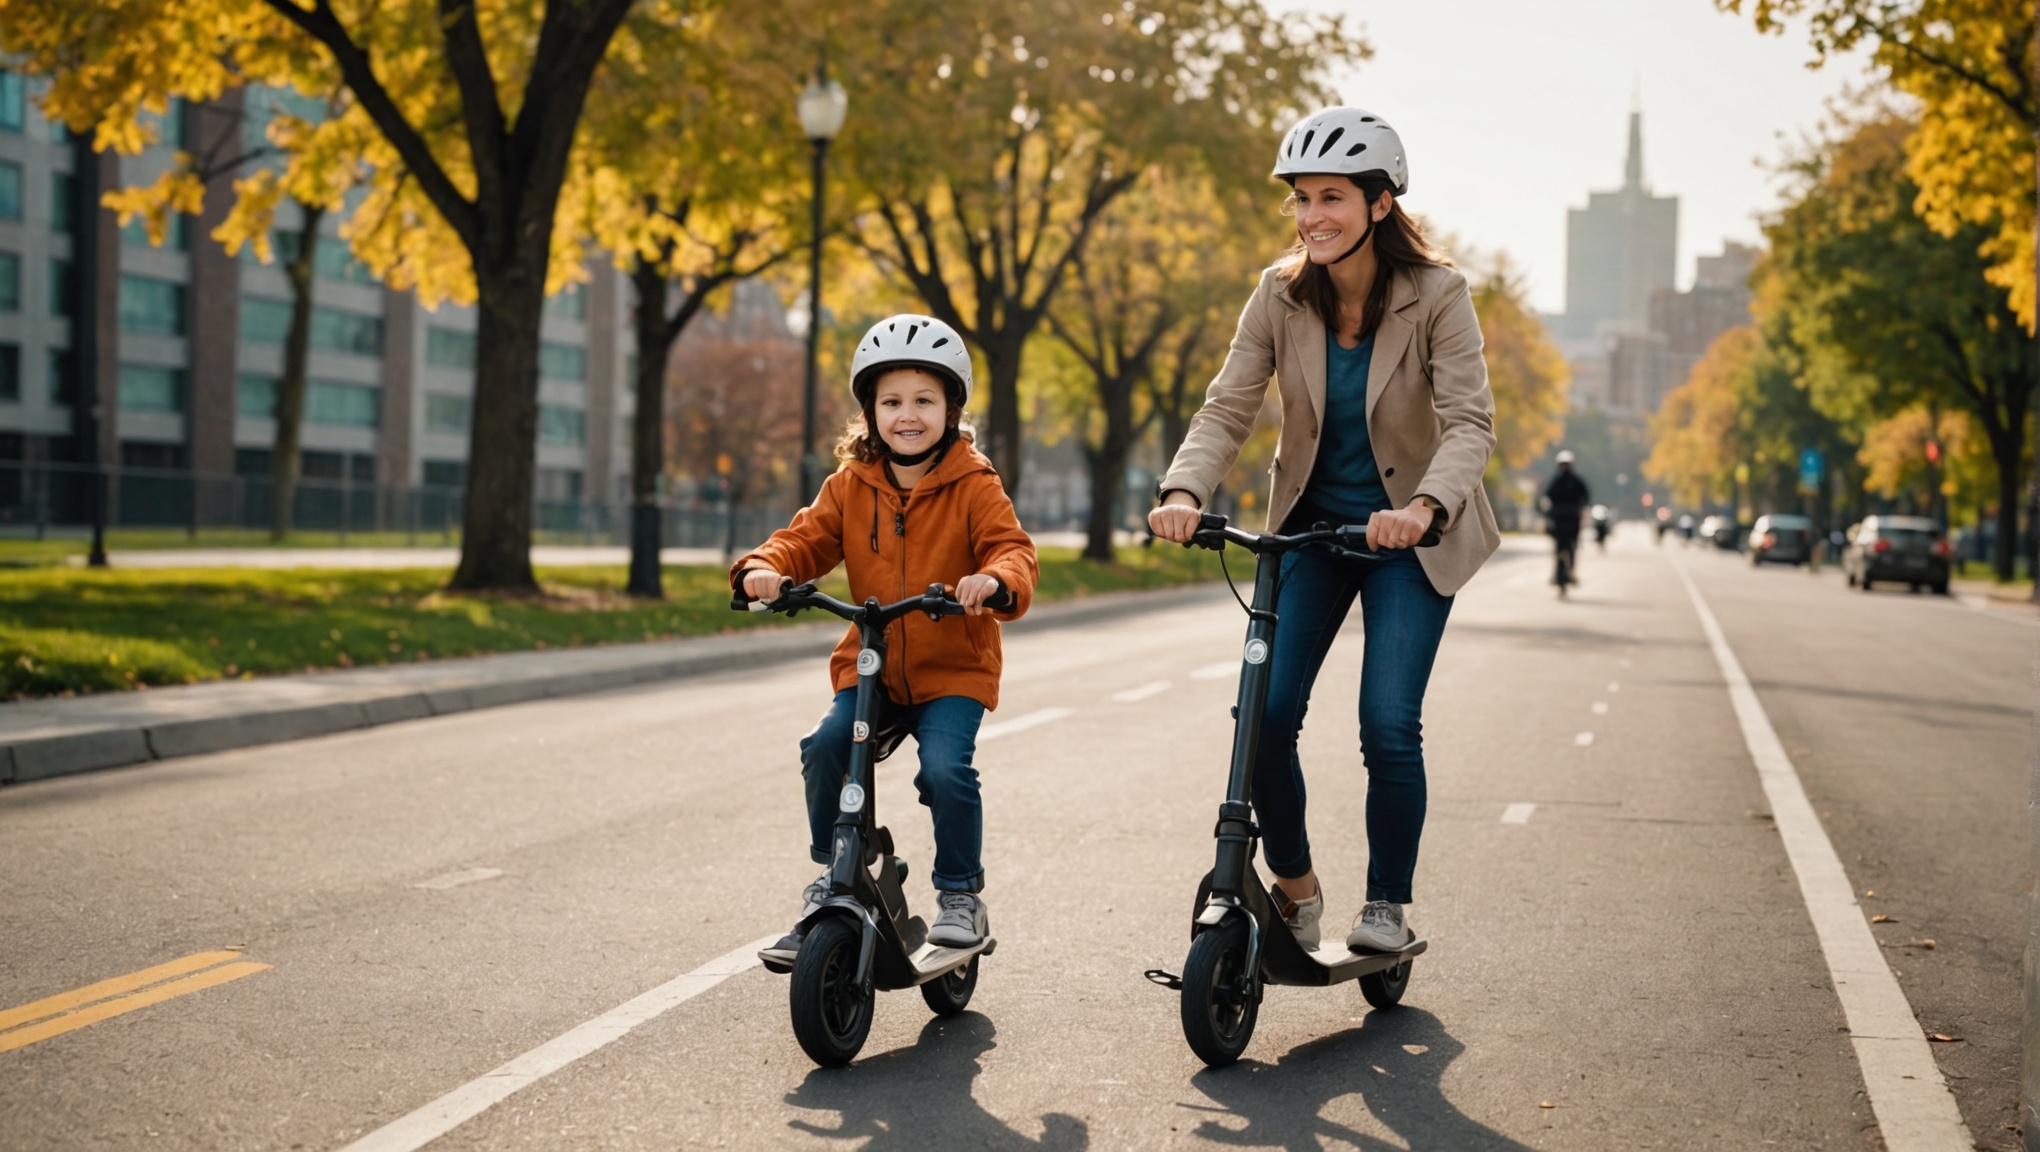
(106, 1009)
(119, 985)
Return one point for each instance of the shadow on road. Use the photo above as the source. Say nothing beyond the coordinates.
(920, 1097)
(1394, 1061)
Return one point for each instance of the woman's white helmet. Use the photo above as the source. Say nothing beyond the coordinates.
(910, 340)
(1343, 141)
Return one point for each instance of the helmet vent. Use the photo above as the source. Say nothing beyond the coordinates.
(1357, 149)
(1326, 147)
(911, 329)
(940, 342)
(1307, 138)
(1367, 119)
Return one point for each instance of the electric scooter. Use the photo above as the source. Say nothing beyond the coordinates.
(863, 938)
(1238, 942)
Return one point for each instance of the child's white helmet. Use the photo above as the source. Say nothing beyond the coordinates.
(910, 340)
(1343, 141)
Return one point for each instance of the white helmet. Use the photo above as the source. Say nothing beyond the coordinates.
(910, 340)
(1564, 457)
(1343, 141)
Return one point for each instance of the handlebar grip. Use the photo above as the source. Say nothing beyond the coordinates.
(742, 603)
(1430, 538)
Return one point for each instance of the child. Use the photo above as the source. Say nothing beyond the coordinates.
(913, 504)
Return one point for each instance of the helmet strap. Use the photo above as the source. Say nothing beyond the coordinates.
(918, 458)
(1362, 241)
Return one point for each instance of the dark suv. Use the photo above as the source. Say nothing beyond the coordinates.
(1781, 538)
(1898, 550)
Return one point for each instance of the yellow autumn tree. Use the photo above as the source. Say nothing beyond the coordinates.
(1697, 436)
(1526, 371)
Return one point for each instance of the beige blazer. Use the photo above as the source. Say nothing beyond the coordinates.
(1430, 414)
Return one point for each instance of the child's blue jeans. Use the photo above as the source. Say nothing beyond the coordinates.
(946, 730)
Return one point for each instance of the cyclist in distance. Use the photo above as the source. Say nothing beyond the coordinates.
(1370, 337)
(1565, 499)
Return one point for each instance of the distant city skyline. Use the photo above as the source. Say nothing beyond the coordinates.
(1513, 112)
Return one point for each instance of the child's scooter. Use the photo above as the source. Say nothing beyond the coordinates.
(862, 936)
(1238, 942)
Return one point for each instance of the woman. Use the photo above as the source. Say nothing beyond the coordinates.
(1387, 421)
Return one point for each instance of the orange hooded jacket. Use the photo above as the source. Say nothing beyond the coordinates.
(955, 522)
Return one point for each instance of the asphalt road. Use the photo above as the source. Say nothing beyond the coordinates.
(1635, 953)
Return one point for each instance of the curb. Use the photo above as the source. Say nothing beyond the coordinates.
(450, 686)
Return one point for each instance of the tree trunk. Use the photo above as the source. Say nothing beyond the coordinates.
(290, 390)
(495, 546)
(1108, 468)
(648, 431)
(2005, 448)
(1003, 429)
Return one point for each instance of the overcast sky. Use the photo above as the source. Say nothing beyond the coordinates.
(1511, 111)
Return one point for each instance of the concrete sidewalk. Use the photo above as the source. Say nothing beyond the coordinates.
(58, 737)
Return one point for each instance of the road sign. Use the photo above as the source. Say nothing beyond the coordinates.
(1812, 466)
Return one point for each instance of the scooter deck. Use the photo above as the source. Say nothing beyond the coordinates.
(933, 960)
(1339, 964)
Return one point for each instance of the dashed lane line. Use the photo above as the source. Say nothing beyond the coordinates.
(1021, 723)
(1914, 1109)
(456, 879)
(471, 1099)
(1145, 691)
(1600, 708)
(1518, 813)
(1583, 739)
(1216, 671)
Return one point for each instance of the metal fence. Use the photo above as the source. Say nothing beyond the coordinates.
(39, 499)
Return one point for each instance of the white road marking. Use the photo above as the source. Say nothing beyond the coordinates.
(1136, 695)
(422, 1127)
(1518, 813)
(1216, 671)
(456, 879)
(1583, 739)
(1914, 1109)
(1614, 687)
(1600, 707)
(1021, 723)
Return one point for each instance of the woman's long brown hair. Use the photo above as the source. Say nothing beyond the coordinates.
(1399, 245)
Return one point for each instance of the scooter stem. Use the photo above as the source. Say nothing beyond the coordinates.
(1236, 830)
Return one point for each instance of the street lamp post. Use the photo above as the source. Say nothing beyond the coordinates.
(822, 106)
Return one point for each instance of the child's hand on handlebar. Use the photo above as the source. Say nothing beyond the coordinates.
(972, 591)
(1177, 518)
(1399, 529)
(762, 583)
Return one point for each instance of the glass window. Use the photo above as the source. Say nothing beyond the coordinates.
(10, 282)
(151, 389)
(10, 373)
(256, 396)
(169, 123)
(59, 379)
(338, 331)
(10, 191)
(444, 473)
(13, 101)
(562, 425)
(152, 307)
(335, 261)
(61, 191)
(562, 361)
(177, 239)
(264, 321)
(570, 303)
(347, 405)
(449, 348)
(446, 413)
(60, 287)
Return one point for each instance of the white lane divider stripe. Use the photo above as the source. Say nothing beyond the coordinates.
(1914, 1109)
(1136, 695)
(422, 1127)
(1583, 739)
(1216, 671)
(1600, 708)
(1021, 723)
(456, 879)
(1518, 813)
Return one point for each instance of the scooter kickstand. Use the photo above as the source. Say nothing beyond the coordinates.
(1165, 978)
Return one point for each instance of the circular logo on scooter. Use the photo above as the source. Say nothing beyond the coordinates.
(853, 798)
(1257, 651)
(868, 661)
(860, 732)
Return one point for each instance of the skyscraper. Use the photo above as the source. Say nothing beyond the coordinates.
(1620, 248)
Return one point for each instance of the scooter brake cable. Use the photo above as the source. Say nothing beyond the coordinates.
(1229, 583)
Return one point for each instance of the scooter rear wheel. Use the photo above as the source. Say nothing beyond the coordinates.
(1219, 1010)
(831, 1013)
(1384, 989)
(949, 993)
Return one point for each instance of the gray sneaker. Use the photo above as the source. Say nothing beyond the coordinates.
(1301, 916)
(779, 957)
(963, 922)
(1380, 928)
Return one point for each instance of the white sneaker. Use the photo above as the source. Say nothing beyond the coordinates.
(1301, 916)
(1380, 928)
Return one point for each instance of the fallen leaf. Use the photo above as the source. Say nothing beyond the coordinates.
(1546, 1104)
(1872, 893)
(1927, 944)
(1881, 918)
(1943, 1038)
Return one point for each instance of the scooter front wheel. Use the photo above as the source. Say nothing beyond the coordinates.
(949, 993)
(1384, 989)
(1219, 1005)
(831, 1013)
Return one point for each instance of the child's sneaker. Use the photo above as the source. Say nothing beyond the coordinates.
(963, 922)
(1380, 928)
(1300, 915)
(780, 957)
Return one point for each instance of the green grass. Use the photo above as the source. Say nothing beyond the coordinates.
(17, 552)
(1981, 572)
(68, 630)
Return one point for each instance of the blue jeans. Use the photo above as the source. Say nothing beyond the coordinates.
(1404, 618)
(945, 729)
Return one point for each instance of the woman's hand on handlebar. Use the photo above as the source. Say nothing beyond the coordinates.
(1399, 529)
(762, 583)
(1177, 519)
(972, 591)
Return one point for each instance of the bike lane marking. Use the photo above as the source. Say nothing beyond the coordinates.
(1914, 1109)
(1518, 813)
(70, 1011)
(424, 1125)
(1136, 695)
(1021, 723)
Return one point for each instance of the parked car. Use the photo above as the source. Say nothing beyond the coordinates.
(1781, 538)
(1897, 550)
(1721, 531)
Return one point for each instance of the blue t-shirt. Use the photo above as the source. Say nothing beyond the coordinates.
(1345, 481)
